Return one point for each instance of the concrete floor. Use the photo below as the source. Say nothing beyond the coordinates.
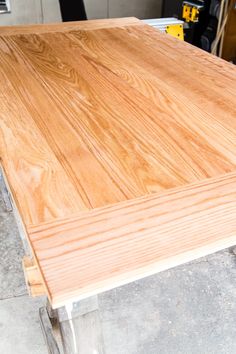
(187, 310)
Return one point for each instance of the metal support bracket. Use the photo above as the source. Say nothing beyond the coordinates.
(6, 197)
(80, 327)
(48, 331)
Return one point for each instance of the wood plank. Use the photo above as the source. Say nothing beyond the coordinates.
(92, 124)
(119, 146)
(69, 26)
(33, 278)
(101, 249)
(39, 185)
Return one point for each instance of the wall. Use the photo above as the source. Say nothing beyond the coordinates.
(31, 11)
(43, 11)
(51, 11)
(27, 11)
(123, 8)
(96, 8)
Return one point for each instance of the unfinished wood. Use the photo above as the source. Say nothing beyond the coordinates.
(103, 112)
(69, 26)
(33, 278)
(104, 248)
(118, 115)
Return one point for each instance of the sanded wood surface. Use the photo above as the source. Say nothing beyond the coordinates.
(69, 26)
(100, 113)
(136, 238)
(33, 278)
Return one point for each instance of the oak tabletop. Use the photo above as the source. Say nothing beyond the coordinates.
(119, 146)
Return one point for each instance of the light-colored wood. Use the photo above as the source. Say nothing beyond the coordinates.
(86, 137)
(69, 26)
(98, 113)
(33, 278)
(108, 247)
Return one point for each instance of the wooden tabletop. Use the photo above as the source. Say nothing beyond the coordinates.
(119, 146)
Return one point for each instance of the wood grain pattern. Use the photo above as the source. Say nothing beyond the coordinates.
(69, 26)
(104, 248)
(103, 112)
(33, 278)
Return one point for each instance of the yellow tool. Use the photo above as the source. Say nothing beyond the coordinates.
(170, 25)
(191, 11)
(176, 31)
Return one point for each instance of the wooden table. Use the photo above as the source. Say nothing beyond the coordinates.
(119, 146)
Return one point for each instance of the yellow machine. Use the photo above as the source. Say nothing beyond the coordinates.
(170, 25)
(174, 26)
(176, 31)
(191, 11)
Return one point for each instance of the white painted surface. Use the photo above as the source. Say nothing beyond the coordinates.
(137, 8)
(51, 11)
(123, 8)
(22, 12)
(96, 8)
(45, 11)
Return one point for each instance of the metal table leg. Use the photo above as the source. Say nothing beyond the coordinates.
(80, 327)
(48, 331)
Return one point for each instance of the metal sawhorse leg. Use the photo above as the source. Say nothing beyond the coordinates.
(79, 325)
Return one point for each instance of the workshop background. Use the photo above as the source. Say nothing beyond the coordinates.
(44, 11)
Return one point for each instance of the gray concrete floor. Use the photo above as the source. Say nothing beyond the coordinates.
(187, 310)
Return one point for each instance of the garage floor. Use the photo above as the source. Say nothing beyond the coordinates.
(187, 310)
